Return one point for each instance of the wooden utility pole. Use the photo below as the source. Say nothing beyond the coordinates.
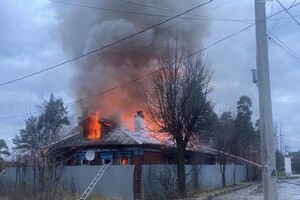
(269, 178)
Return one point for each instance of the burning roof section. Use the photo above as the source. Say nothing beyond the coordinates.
(95, 131)
(119, 136)
(101, 131)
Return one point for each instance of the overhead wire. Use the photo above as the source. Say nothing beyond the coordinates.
(148, 74)
(108, 45)
(196, 16)
(278, 20)
(284, 18)
(148, 6)
(176, 11)
(284, 47)
(278, 42)
(108, 9)
(154, 72)
(287, 11)
(36, 112)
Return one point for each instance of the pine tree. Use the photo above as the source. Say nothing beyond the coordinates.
(3, 148)
(42, 130)
(35, 139)
(244, 130)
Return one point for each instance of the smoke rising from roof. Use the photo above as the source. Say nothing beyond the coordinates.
(82, 30)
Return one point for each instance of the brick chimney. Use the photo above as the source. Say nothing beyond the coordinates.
(139, 124)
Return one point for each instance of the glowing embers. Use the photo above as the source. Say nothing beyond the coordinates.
(124, 161)
(124, 158)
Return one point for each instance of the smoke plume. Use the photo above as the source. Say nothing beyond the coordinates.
(82, 30)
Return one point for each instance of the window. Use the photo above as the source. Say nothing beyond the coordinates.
(106, 158)
(124, 158)
(124, 161)
(79, 158)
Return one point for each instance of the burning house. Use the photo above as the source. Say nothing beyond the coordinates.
(117, 145)
(121, 63)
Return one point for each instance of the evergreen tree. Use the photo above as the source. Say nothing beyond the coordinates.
(224, 141)
(3, 151)
(244, 130)
(27, 138)
(246, 137)
(3, 148)
(42, 130)
(35, 140)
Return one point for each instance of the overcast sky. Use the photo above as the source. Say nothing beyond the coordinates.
(30, 42)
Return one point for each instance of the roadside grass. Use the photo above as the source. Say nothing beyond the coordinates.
(280, 174)
(16, 194)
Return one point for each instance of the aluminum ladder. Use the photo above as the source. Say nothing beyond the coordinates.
(91, 186)
(3, 172)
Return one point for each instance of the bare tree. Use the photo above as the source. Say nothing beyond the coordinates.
(279, 137)
(177, 101)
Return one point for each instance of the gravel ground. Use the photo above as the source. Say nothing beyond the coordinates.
(288, 189)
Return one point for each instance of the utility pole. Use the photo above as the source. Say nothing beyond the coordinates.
(269, 178)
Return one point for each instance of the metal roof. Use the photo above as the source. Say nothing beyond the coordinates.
(118, 136)
(123, 136)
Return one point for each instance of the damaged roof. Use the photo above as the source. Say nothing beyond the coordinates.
(123, 136)
(118, 136)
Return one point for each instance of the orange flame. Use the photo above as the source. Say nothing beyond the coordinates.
(93, 126)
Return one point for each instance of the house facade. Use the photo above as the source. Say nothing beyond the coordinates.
(121, 146)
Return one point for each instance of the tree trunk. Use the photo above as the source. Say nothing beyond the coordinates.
(196, 183)
(224, 175)
(247, 172)
(222, 170)
(181, 169)
(234, 174)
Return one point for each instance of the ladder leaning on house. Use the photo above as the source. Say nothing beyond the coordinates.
(91, 186)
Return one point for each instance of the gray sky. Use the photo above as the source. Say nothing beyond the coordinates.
(29, 42)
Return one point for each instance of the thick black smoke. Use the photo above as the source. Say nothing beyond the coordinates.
(82, 30)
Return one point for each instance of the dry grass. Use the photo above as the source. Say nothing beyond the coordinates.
(17, 194)
(64, 197)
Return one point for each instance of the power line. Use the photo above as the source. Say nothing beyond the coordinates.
(129, 42)
(279, 43)
(148, 6)
(151, 73)
(169, 10)
(287, 50)
(106, 46)
(20, 115)
(286, 10)
(108, 9)
(140, 77)
(111, 44)
(281, 18)
(158, 15)
(295, 16)
(284, 47)
(145, 75)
